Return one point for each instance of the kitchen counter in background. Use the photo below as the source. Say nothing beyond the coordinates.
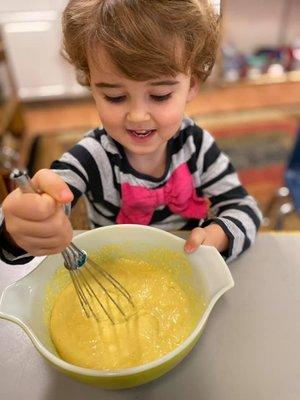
(250, 347)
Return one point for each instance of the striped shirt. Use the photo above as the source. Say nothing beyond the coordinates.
(97, 167)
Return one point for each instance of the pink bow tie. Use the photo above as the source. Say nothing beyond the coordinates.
(139, 203)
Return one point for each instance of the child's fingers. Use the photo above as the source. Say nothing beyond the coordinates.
(55, 225)
(28, 206)
(49, 182)
(196, 238)
(38, 246)
(41, 238)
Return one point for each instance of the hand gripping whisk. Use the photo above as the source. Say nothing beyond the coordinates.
(86, 275)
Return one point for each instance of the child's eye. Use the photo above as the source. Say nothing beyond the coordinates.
(118, 99)
(161, 98)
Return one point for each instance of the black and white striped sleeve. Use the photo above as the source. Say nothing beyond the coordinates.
(9, 253)
(72, 167)
(232, 207)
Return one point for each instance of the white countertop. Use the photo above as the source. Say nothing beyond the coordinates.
(250, 348)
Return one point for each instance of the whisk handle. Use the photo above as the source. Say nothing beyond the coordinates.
(21, 178)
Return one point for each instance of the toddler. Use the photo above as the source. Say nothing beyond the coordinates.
(149, 164)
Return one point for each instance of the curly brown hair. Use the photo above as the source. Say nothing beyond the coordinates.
(144, 39)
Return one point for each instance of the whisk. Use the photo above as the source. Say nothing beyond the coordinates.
(84, 272)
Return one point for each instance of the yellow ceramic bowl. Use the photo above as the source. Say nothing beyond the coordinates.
(23, 302)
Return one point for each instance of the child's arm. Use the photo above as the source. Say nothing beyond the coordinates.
(235, 215)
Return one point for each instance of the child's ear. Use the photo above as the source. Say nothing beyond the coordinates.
(194, 88)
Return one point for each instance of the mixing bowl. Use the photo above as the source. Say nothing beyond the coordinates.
(23, 301)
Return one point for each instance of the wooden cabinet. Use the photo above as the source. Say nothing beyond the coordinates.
(12, 127)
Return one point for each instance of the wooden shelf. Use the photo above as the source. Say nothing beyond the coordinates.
(241, 97)
(2, 54)
(265, 79)
(10, 109)
(7, 112)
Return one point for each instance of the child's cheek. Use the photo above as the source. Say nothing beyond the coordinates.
(171, 114)
(109, 114)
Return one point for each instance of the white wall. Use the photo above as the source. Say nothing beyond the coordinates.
(252, 23)
(32, 36)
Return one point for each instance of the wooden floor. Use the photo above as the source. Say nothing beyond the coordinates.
(217, 107)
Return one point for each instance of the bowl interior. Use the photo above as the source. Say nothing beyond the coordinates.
(23, 302)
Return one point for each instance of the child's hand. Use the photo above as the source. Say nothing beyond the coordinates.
(37, 222)
(211, 235)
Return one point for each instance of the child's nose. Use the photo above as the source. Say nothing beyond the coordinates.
(138, 114)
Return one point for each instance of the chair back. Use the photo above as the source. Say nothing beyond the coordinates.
(292, 173)
(3, 189)
(294, 158)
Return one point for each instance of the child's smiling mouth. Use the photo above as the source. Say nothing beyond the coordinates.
(141, 133)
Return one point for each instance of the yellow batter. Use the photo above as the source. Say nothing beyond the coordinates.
(164, 314)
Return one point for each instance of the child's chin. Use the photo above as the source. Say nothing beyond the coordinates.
(142, 150)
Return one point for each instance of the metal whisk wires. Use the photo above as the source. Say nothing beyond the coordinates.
(83, 271)
(87, 276)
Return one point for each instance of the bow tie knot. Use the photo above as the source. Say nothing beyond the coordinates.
(179, 194)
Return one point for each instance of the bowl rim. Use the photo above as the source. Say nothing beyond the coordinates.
(64, 365)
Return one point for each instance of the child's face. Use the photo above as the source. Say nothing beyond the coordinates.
(141, 116)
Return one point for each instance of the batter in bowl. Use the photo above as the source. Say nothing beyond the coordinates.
(164, 315)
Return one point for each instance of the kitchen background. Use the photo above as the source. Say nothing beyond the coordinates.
(250, 103)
